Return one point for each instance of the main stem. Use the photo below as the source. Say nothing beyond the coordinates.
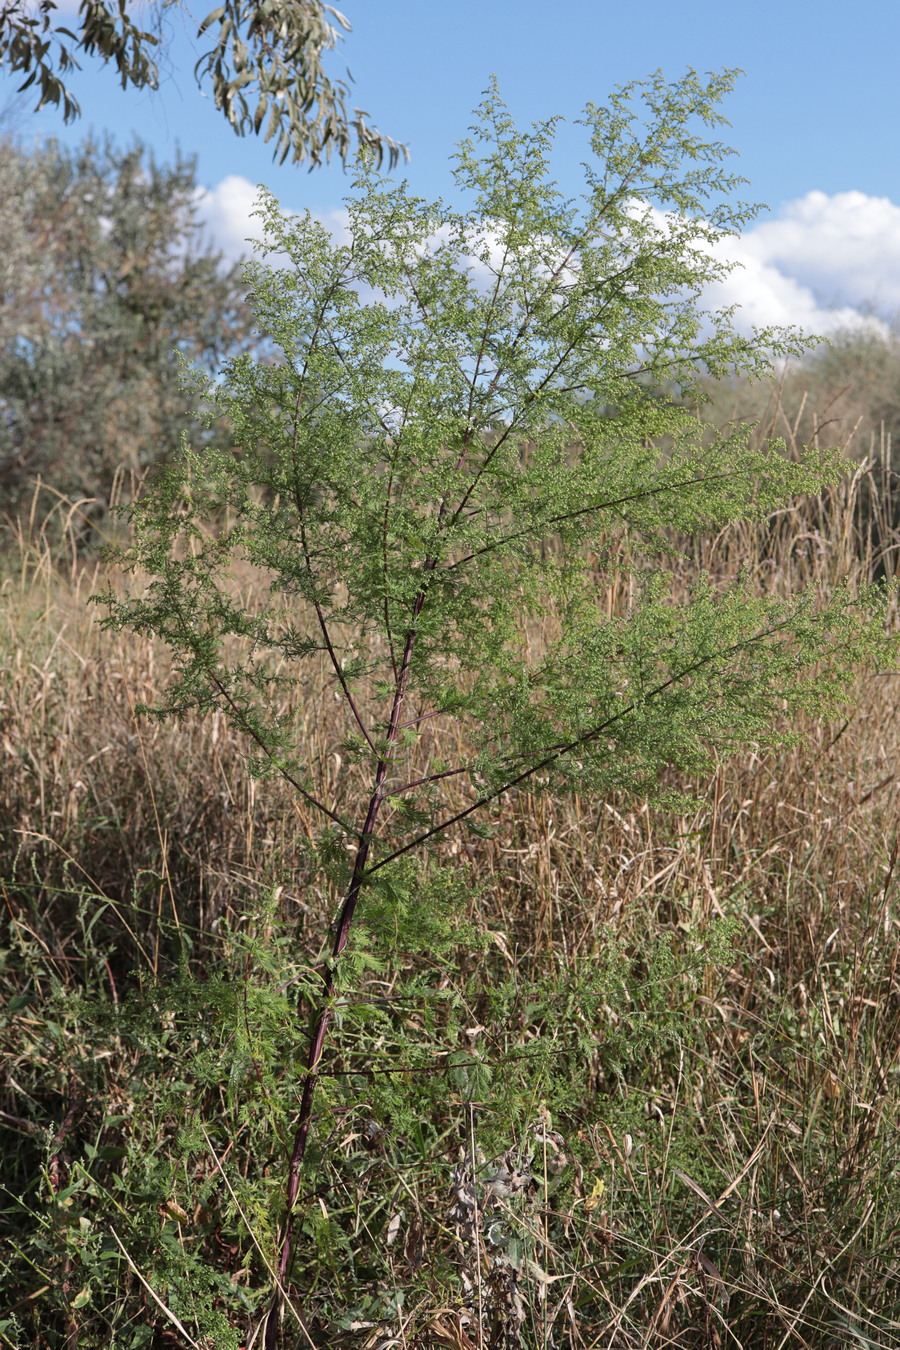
(323, 1017)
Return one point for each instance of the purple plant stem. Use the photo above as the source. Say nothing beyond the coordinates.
(323, 1019)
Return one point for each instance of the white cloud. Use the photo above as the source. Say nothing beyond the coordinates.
(768, 294)
(845, 248)
(822, 263)
(227, 213)
(225, 210)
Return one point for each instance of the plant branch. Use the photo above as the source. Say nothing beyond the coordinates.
(301, 511)
(523, 326)
(323, 1019)
(430, 778)
(568, 746)
(596, 506)
(508, 431)
(251, 731)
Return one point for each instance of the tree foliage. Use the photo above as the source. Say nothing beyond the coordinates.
(107, 287)
(265, 66)
(467, 440)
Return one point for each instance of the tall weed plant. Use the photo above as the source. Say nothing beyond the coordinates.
(462, 454)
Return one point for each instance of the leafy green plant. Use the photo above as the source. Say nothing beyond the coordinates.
(465, 442)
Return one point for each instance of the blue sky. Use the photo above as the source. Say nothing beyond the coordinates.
(815, 119)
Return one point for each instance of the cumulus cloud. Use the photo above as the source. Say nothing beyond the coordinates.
(769, 294)
(821, 263)
(226, 211)
(844, 248)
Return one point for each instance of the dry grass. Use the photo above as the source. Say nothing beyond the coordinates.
(733, 1185)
